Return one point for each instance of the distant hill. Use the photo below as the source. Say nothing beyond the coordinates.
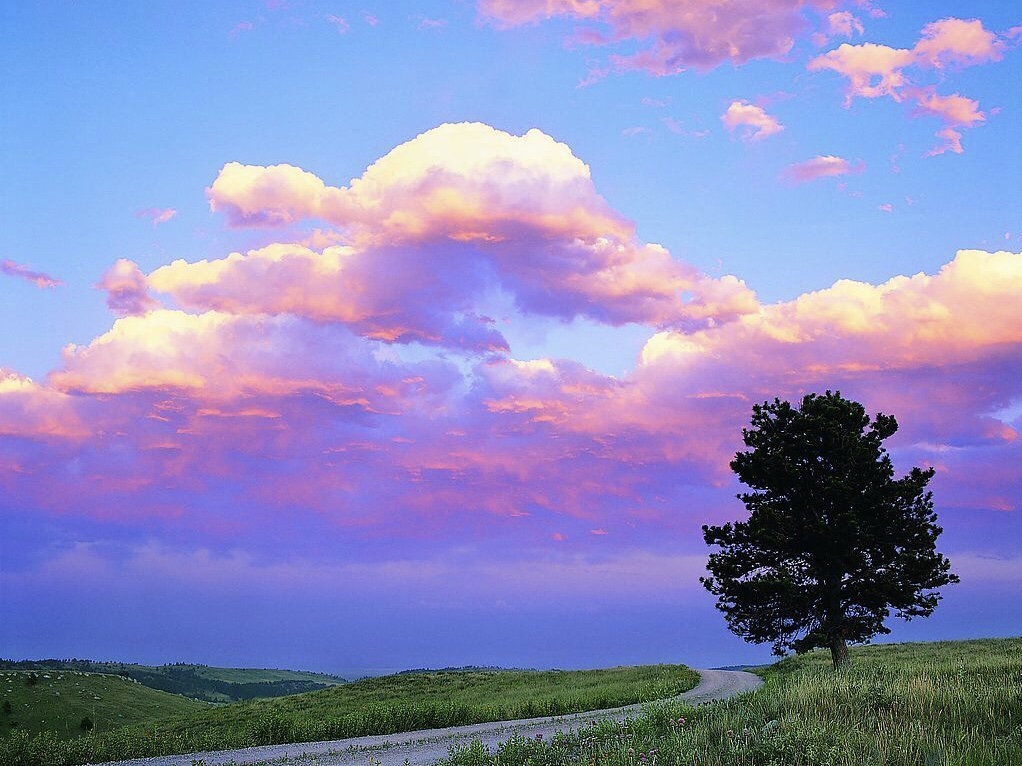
(70, 703)
(199, 682)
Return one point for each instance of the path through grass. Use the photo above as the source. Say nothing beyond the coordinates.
(385, 705)
(936, 704)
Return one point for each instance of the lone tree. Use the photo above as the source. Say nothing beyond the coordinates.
(833, 541)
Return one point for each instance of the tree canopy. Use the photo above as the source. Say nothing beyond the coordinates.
(833, 542)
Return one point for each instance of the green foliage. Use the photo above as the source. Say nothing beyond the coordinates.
(833, 542)
(946, 704)
(373, 706)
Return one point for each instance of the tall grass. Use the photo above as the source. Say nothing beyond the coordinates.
(374, 706)
(939, 704)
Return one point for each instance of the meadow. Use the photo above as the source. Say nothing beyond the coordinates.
(73, 703)
(403, 702)
(200, 682)
(935, 704)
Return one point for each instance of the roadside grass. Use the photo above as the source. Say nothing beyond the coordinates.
(403, 702)
(935, 704)
(59, 702)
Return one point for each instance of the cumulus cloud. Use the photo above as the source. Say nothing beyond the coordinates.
(433, 225)
(757, 123)
(312, 429)
(825, 166)
(957, 42)
(127, 292)
(875, 71)
(38, 278)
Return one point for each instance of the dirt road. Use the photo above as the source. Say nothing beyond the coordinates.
(422, 748)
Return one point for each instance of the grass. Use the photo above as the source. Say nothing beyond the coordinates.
(403, 702)
(935, 704)
(55, 702)
(201, 682)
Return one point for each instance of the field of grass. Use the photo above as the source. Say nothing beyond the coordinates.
(201, 682)
(60, 702)
(403, 702)
(937, 704)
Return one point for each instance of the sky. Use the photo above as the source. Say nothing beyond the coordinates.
(347, 335)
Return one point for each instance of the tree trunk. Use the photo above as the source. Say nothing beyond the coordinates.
(838, 653)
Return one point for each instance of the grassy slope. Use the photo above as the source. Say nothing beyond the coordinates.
(60, 702)
(374, 706)
(202, 682)
(937, 704)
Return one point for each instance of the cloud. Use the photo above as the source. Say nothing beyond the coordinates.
(339, 22)
(759, 124)
(821, 167)
(955, 112)
(435, 224)
(875, 71)
(127, 292)
(677, 34)
(958, 43)
(872, 70)
(156, 215)
(38, 278)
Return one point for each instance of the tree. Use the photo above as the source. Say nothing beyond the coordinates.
(833, 541)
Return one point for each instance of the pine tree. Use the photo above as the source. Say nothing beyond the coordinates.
(833, 542)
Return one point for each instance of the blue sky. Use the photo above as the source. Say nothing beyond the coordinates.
(118, 122)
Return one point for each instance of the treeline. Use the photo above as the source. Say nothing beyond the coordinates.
(188, 683)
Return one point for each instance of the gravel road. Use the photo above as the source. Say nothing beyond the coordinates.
(423, 748)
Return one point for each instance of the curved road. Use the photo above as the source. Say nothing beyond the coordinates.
(423, 748)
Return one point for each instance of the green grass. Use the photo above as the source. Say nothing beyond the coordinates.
(403, 702)
(201, 682)
(57, 702)
(935, 704)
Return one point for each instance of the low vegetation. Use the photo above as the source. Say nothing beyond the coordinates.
(402, 702)
(936, 704)
(71, 704)
(200, 682)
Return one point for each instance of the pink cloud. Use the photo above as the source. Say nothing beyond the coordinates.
(875, 71)
(821, 167)
(127, 293)
(339, 22)
(241, 26)
(636, 131)
(267, 409)
(156, 215)
(38, 278)
(432, 23)
(956, 42)
(872, 70)
(757, 122)
(520, 212)
(675, 35)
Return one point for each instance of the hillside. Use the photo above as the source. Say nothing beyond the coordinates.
(69, 703)
(199, 682)
(949, 703)
(404, 702)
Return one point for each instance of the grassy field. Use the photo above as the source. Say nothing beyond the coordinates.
(385, 705)
(59, 702)
(201, 682)
(935, 704)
